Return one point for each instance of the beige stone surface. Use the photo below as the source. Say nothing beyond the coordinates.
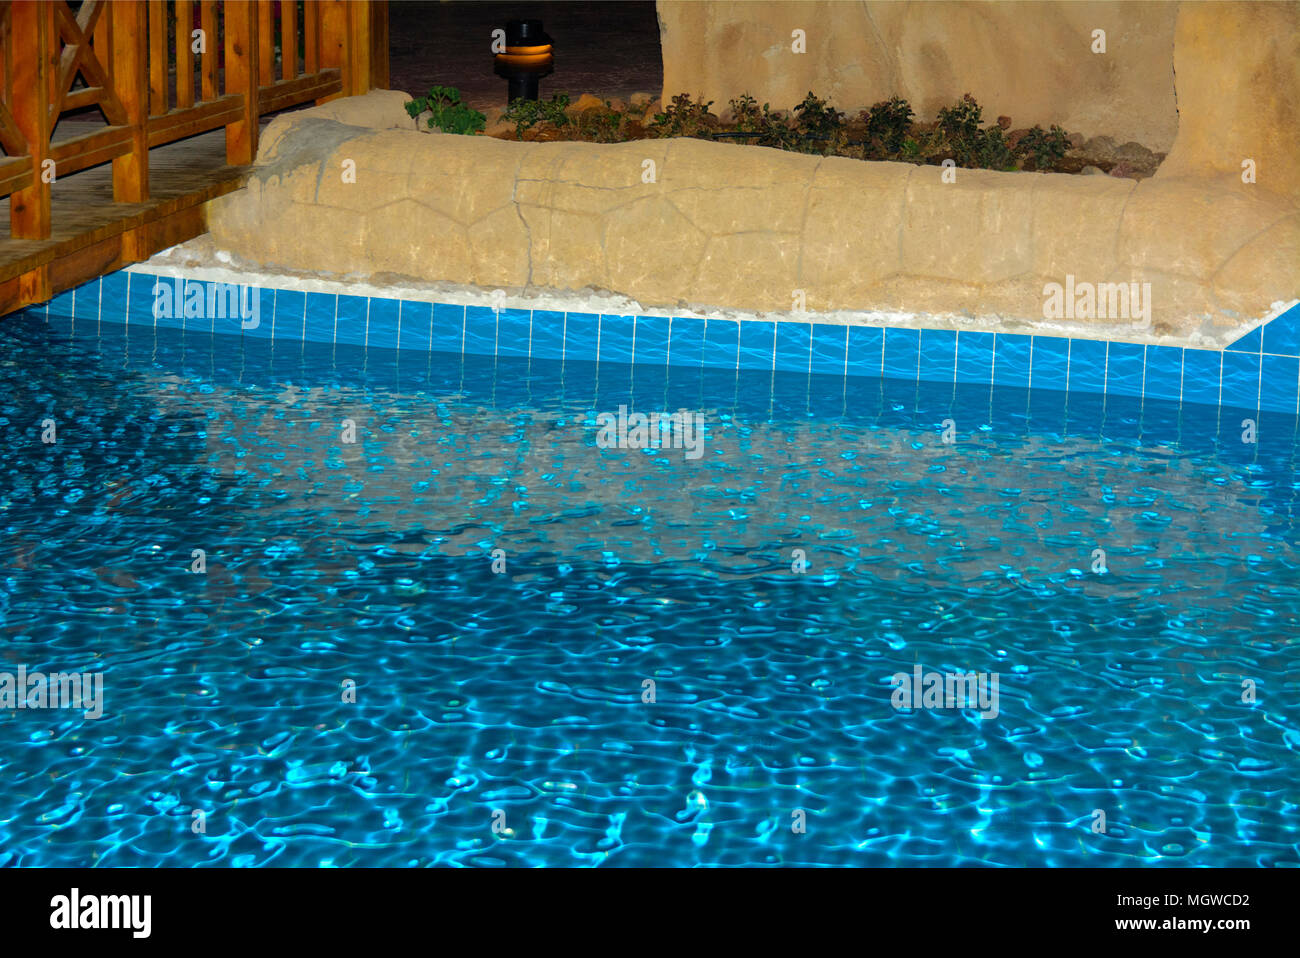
(1190, 227)
(720, 226)
(1069, 219)
(1269, 261)
(1238, 77)
(975, 229)
(376, 110)
(1032, 61)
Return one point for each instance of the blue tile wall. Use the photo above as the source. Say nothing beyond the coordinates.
(616, 338)
(686, 341)
(902, 348)
(1126, 368)
(721, 344)
(1201, 376)
(1087, 366)
(480, 330)
(581, 332)
(1164, 372)
(1011, 358)
(866, 351)
(792, 350)
(651, 342)
(1260, 371)
(938, 355)
(757, 344)
(828, 348)
(448, 331)
(1051, 363)
(415, 321)
(513, 332)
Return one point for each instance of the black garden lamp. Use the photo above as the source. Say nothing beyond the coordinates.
(526, 60)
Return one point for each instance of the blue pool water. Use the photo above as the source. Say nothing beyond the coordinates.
(515, 699)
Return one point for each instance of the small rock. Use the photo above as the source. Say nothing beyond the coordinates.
(1092, 171)
(640, 100)
(618, 104)
(584, 103)
(1076, 140)
(495, 124)
(1004, 122)
(1134, 153)
(1100, 148)
(1121, 170)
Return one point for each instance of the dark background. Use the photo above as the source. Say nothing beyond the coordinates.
(608, 48)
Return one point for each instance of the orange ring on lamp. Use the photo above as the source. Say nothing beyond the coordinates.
(528, 51)
(536, 59)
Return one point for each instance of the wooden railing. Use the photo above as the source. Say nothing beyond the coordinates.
(162, 70)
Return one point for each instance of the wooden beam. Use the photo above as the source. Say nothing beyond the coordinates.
(91, 149)
(15, 174)
(241, 78)
(179, 124)
(285, 93)
(131, 78)
(29, 208)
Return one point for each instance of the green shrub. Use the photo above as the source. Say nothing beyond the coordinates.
(601, 126)
(683, 118)
(821, 127)
(1041, 149)
(960, 127)
(525, 114)
(745, 114)
(993, 152)
(888, 123)
(447, 112)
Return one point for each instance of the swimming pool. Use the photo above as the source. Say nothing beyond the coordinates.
(500, 587)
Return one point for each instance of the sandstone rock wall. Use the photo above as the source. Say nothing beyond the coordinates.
(1032, 61)
(720, 225)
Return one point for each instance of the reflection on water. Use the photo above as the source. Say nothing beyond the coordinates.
(524, 691)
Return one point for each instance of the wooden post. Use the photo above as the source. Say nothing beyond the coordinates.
(33, 70)
(289, 40)
(333, 23)
(378, 45)
(184, 54)
(158, 44)
(241, 77)
(130, 73)
(208, 63)
(356, 56)
(265, 44)
(310, 37)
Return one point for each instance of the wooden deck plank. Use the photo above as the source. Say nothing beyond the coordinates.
(182, 175)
